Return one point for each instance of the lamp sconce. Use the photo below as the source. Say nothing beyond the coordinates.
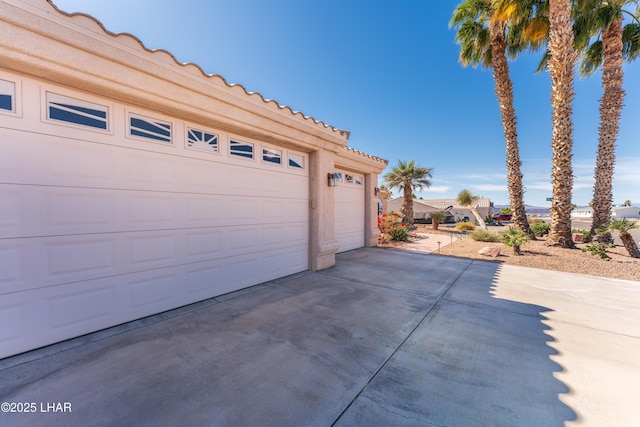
(376, 191)
(331, 179)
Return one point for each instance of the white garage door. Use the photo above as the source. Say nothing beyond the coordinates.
(110, 214)
(349, 210)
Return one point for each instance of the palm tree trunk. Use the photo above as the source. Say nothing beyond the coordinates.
(630, 245)
(561, 66)
(407, 204)
(476, 214)
(610, 109)
(504, 91)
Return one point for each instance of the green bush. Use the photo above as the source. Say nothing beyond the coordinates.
(465, 226)
(485, 236)
(515, 238)
(585, 233)
(540, 228)
(399, 234)
(599, 249)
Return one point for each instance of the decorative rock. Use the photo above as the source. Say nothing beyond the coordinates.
(491, 251)
(578, 238)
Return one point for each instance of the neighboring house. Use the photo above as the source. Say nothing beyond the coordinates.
(440, 205)
(616, 212)
(133, 184)
(582, 213)
(625, 212)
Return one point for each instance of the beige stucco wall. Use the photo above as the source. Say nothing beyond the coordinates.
(77, 52)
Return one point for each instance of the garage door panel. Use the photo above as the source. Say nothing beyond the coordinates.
(152, 250)
(205, 244)
(72, 258)
(13, 273)
(80, 306)
(12, 318)
(66, 161)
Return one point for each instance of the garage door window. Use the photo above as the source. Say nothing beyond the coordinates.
(201, 140)
(358, 180)
(7, 96)
(348, 178)
(148, 128)
(271, 155)
(296, 161)
(241, 149)
(76, 112)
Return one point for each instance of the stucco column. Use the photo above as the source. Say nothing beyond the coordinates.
(322, 242)
(384, 197)
(371, 231)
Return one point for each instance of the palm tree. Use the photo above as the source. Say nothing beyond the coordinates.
(561, 63)
(627, 203)
(470, 201)
(623, 226)
(482, 36)
(406, 176)
(604, 17)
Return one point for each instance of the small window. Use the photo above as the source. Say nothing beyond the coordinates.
(272, 155)
(69, 110)
(201, 140)
(358, 180)
(348, 178)
(148, 128)
(296, 161)
(338, 176)
(241, 149)
(7, 96)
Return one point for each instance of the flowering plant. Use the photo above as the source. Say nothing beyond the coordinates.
(392, 227)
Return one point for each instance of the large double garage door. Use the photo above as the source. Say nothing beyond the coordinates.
(111, 213)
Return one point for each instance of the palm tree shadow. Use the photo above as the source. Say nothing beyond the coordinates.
(475, 359)
(512, 346)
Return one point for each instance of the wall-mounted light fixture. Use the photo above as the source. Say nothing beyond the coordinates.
(376, 191)
(331, 179)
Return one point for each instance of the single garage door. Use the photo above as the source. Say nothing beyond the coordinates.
(111, 213)
(349, 210)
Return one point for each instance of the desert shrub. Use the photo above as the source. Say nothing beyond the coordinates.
(586, 235)
(465, 226)
(399, 234)
(392, 227)
(515, 238)
(540, 228)
(485, 236)
(599, 249)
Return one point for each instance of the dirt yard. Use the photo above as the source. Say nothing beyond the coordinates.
(536, 255)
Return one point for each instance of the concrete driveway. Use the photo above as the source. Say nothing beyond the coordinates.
(386, 338)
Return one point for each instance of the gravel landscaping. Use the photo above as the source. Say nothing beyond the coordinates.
(536, 255)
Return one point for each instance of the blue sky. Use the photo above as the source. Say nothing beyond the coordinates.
(389, 73)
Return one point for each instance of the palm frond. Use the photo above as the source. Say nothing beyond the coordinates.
(592, 59)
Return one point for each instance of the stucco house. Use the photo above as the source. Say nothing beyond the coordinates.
(439, 205)
(616, 212)
(133, 184)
